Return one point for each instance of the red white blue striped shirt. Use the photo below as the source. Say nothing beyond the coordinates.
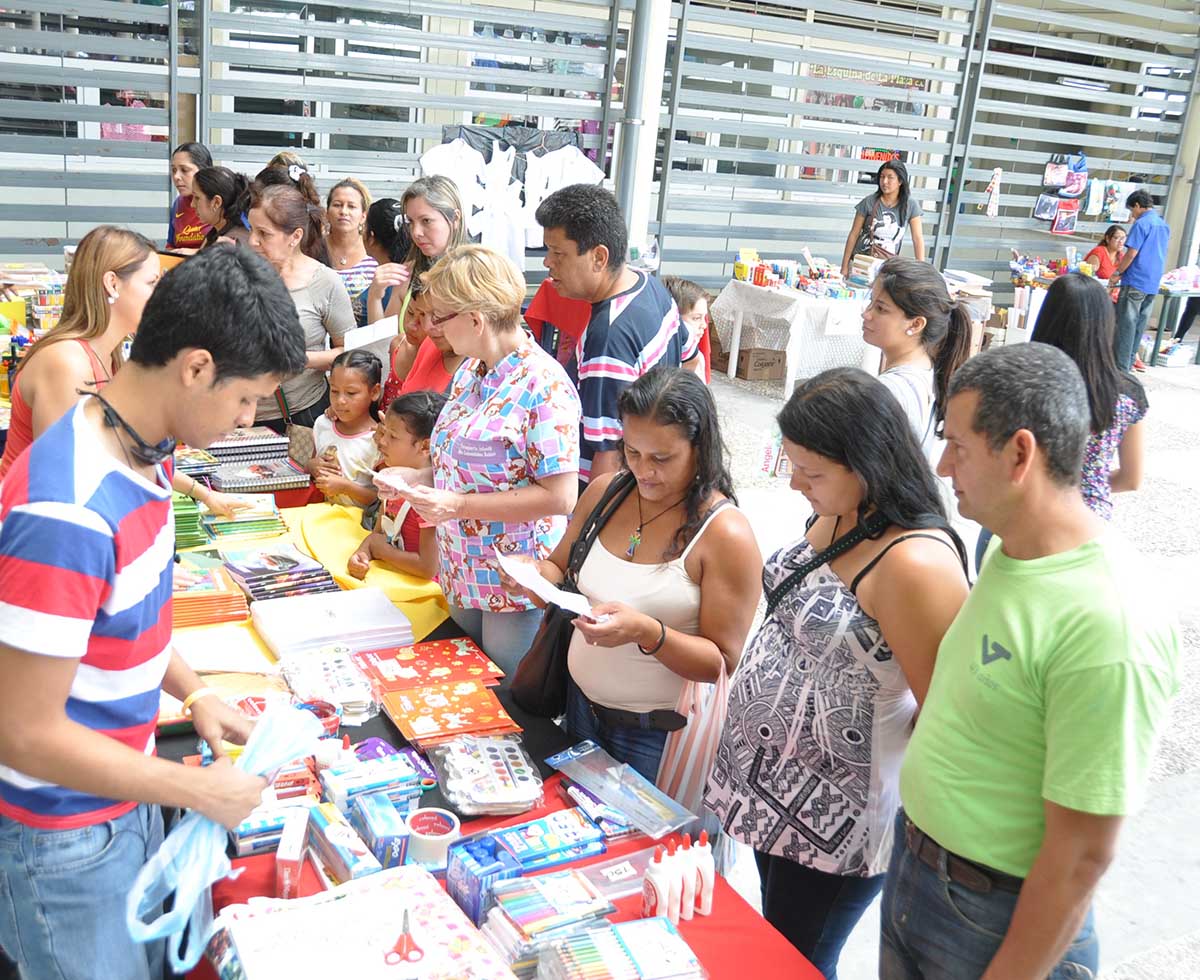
(86, 555)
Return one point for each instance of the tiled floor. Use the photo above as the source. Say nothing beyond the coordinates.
(1148, 905)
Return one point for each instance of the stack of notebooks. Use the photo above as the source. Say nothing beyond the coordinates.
(275, 571)
(195, 462)
(645, 949)
(361, 619)
(188, 532)
(431, 662)
(259, 519)
(255, 459)
(210, 597)
(431, 715)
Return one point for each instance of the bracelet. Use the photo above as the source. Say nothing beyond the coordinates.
(662, 638)
(196, 695)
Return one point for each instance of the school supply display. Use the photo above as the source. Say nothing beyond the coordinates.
(263, 829)
(210, 596)
(259, 518)
(251, 694)
(289, 855)
(344, 855)
(623, 788)
(615, 824)
(228, 648)
(645, 949)
(361, 619)
(263, 475)
(330, 675)
(439, 712)
(277, 570)
(431, 832)
(375, 817)
(397, 924)
(256, 442)
(431, 662)
(487, 774)
(393, 776)
(188, 531)
(530, 913)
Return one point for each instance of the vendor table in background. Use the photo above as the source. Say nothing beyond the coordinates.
(1168, 320)
(816, 333)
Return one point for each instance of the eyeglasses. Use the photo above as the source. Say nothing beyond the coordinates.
(437, 321)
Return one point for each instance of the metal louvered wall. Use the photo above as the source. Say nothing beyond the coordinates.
(1059, 78)
(778, 121)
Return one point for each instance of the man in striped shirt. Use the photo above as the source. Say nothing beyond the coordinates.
(86, 556)
(634, 324)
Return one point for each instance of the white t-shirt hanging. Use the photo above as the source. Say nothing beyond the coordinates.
(547, 173)
(464, 165)
(499, 225)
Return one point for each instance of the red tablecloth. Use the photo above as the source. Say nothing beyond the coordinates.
(297, 498)
(734, 942)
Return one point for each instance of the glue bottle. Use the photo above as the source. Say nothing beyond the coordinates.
(705, 873)
(655, 887)
(687, 867)
(675, 881)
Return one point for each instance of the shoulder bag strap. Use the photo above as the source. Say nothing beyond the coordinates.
(874, 525)
(614, 495)
(281, 401)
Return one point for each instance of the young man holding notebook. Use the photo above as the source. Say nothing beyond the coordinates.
(86, 555)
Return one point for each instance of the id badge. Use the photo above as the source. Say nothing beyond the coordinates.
(475, 452)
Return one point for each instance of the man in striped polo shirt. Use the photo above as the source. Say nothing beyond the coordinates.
(634, 325)
(86, 557)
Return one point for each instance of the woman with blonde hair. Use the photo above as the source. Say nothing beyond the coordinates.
(505, 449)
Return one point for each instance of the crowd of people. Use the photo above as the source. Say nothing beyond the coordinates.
(968, 750)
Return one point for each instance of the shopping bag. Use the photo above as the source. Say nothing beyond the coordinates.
(688, 755)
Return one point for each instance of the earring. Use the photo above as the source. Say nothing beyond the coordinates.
(113, 298)
(909, 331)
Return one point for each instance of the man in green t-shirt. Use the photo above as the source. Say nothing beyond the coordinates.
(1050, 689)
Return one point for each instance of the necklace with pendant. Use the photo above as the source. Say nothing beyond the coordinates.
(635, 537)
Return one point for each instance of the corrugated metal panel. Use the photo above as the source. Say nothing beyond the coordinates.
(75, 153)
(1059, 78)
(778, 121)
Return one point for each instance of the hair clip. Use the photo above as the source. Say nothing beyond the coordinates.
(398, 221)
(295, 171)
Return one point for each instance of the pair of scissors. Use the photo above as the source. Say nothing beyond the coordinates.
(406, 949)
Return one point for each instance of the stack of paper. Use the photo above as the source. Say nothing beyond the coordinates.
(430, 715)
(188, 532)
(259, 519)
(432, 662)
(211, 596)
(276, 570)
(330, 675)
(194, 462)
(361, 619)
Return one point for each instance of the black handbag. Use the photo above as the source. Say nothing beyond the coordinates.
(539, 685)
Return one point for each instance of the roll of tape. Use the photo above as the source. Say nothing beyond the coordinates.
(431, 831)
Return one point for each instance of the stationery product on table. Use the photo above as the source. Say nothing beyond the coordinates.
(428, 715)
(382, 826)
(289, 856)
(195, 462)
(487, 774)
(431, 832)
(260, 475)
(431, 662)
(392, 775)
(260, 518)
(225, 649)
(397, 924)
(209, 597)
(330, 675)
(645, 949)
(343, 854)
(275, 570)
(616, 825)
(263, 829)
(623, 788)
(361, 619)
(188, 531)
(251, 694)
(258, 441)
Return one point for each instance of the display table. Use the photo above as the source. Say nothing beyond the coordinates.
(1172, 310)
(816, 333)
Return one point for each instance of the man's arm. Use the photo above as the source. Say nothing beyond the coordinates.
(1126, 262)
(1076, 851)
(38, 739)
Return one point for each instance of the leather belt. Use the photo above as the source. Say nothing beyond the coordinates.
(661, 720)
(976, 877)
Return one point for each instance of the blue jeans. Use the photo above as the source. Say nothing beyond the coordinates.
(62, 898)
(504, 636)
(642, 748)
(1133, 313)
(935, 929)
(815, 911)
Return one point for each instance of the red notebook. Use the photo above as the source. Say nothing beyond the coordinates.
(434, 662)
(427, 715)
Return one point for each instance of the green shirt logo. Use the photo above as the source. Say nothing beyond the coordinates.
(997, 652)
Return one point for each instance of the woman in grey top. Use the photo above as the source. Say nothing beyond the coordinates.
(881, 218)
(282, 222)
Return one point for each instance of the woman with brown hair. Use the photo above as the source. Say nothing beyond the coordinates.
(282, 224)
(346, 214)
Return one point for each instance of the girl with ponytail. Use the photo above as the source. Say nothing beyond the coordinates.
(386, 238)
(924, 336)
(217, 195)
(284, 227)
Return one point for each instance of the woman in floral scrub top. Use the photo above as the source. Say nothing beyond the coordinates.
(505, 449)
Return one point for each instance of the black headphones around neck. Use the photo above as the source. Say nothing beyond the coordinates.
(141, 450)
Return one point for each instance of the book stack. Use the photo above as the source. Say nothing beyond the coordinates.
(277, 570)
(195, 462)
(432, 662)
(361, 619)
(431, 715)
(210, 597)
(188, 531)
(260, 518)
(255, 459)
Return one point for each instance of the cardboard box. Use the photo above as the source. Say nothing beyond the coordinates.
(754, 364)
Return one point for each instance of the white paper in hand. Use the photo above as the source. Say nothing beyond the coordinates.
(392, 482)
(526, 575)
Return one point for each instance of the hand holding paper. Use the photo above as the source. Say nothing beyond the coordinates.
(526, 575)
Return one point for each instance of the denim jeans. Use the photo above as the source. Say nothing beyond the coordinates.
(1133, 313)
(935, 929)
(815, 911)
(642, 748)
(504, 636)
(62, 898)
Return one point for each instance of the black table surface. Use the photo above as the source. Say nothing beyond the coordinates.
(541, 737)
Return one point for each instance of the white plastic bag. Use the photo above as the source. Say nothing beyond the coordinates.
(688, 755)
(193, 855)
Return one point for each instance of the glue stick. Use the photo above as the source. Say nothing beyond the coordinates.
(705, 873)
(687, 868)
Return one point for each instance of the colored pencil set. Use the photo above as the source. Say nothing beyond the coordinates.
(645, 949)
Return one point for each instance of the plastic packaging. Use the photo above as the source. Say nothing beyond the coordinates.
(487, 774)
(193, 855)
(705, 872)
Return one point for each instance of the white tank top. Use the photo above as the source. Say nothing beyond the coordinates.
(624, 677)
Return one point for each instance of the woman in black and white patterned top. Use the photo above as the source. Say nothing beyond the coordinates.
(821, 707)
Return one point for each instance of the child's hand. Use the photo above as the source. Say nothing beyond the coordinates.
(359, 564)
(330, 482)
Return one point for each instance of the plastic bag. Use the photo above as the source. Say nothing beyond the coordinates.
(193, 855)
(688, 754)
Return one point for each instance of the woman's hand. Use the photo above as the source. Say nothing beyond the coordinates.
(435, 506)
(512, 586)
(390, 274)
(223, 504)
(616, 624)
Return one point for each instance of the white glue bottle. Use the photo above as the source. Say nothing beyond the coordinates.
(655, 886)
(687, 866)
(675, 879)
(705, 873)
